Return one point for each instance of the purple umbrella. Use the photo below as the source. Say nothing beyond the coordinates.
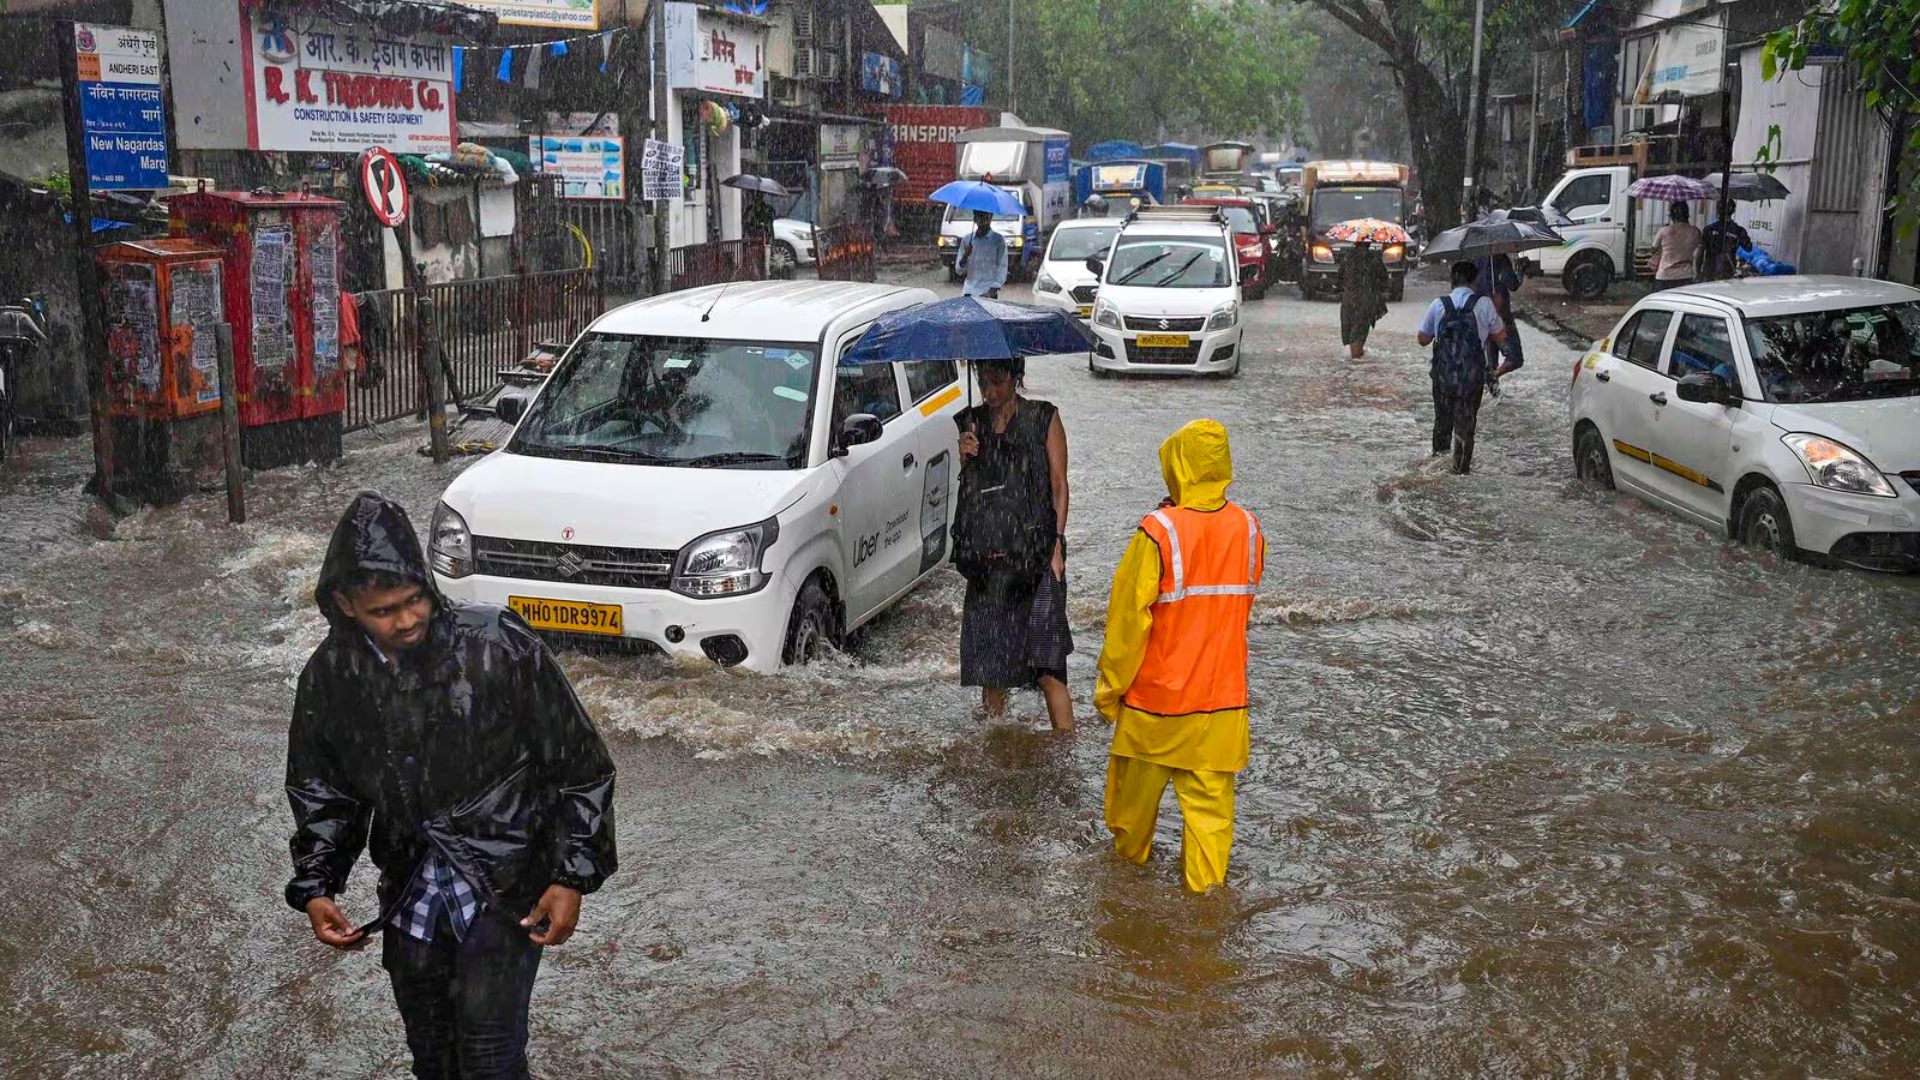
(1672, 189)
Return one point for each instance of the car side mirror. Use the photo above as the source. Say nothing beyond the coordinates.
(510, 408)
(1095, 266)
(1705, 388)
(860, 429)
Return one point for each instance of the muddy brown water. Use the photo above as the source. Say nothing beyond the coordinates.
(1544, 783)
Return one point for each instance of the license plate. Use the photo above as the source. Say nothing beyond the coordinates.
(570, 616)
(1163, 341)
(1086, 310)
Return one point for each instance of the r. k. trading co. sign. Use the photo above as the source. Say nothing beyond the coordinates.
(327, 87)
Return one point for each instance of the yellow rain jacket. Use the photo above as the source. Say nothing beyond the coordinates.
(1177, 690)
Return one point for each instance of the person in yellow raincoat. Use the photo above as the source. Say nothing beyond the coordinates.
(1173, 674)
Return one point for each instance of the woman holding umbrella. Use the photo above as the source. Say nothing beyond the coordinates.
(1674, 248)
(1363, 295)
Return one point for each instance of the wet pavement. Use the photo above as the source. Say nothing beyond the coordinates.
(1544, 782)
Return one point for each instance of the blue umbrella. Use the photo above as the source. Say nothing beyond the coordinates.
(968, 328)
(979, 195)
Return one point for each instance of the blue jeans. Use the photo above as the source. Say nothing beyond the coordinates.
(465, 1002)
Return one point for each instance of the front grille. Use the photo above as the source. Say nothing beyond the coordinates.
(578, 564)
(1188, 355)
(1084, 294)
(1157, 324)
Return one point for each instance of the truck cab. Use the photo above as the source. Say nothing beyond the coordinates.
(1033, 164)
(1126, 185)
(1337, 191)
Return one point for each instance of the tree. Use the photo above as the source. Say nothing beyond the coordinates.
(1877, 37)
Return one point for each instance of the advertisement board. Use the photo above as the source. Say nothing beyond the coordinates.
(589, 167)
(840, 146)
(1059, 164)
(321, 86)
(922, 141)
(713, 54)
(880, 75)
(662, 170)
(122, 113)
(569, 14)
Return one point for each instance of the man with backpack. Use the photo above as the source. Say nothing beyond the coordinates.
(1459, 327)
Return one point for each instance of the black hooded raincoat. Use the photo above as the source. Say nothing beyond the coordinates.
(475, 747)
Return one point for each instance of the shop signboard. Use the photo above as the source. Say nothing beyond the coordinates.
(840, 146)
(315, 85)
(713, 54)
(589, 166)
(880, 75)
(568, 14)
(122, 114)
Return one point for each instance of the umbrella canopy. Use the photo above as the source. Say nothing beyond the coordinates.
(968, 328)
(1490, 237)
(886, 176)
(1671, 189)
(1539, 215)
(763, 184)
(1751, 187)
(979, 195)
(1369, 230)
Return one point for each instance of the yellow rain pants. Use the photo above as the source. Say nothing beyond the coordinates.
(1134, 788)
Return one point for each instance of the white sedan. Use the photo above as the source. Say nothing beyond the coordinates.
(1784, 410)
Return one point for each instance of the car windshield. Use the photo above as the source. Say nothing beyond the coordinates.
(1169, 262)
(691, 402)
(1847, 355)
(955, 213)
(1077, 245)
(1334, 205)
(1240, 219)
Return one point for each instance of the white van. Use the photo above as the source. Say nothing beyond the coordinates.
(699, 476)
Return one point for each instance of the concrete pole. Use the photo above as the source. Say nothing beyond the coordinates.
(230, 426)
(662, 275)
(1472, 177)
(93, 317)
(1533, 130)
(1012, 103)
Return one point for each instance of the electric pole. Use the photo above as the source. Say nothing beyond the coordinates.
(662, 272)
(1011, 101)
(1472, 178)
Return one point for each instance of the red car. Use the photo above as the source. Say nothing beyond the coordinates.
(1249, 240)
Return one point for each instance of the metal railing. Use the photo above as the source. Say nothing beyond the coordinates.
(846, 252)
(716, 262)
(485, 325)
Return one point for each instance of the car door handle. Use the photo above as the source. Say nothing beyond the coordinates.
(1603, 376)
(907, 462)
(1659, 398)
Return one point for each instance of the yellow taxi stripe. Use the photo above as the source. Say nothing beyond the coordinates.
(1685, 473)
(1632, 451)
(945, 398)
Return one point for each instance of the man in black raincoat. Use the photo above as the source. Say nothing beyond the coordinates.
(447, 735)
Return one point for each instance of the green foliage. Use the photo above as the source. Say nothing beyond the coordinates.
(59, 183)
(1106, 69)
(1878, 39)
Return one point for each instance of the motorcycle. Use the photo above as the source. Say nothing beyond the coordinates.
(23, 331)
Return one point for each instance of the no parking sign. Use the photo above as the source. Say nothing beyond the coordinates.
(385, 187)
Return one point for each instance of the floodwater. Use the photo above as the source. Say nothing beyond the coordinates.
(1544, 783)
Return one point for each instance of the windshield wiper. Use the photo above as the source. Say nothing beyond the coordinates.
(1181, 270)
(1141, 269)
(730, 457)
(596, 451)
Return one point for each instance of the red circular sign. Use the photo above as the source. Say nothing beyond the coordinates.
(385, 186)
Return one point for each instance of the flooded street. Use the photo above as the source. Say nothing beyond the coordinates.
(1544, 782)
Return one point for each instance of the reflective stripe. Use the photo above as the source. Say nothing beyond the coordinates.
(1179, 566)
(1215, 590)
(1253, 546)
(1180, 590)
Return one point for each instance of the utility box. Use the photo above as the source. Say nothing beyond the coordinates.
(282, 294)
(164, 304)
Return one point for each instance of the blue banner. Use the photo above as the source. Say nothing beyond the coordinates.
(1057, 160)
(122, 108)
(880, 75)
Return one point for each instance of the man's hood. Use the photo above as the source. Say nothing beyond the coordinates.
(374, 534)
(1197, 465)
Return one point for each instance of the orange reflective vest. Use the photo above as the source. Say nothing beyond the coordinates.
(1210, 565)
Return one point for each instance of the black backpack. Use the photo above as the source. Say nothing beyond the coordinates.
(1458, 355)
(1003, 527)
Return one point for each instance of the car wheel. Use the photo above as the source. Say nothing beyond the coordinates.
(1587, 276)
(1258, 292)
(1765, 523)
(1590, 462)
(814, 626)
(784, 258)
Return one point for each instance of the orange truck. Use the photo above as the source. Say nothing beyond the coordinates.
(1337, 191)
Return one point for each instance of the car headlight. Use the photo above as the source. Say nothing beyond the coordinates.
(1016, 241)
(945, 241)
(1106, 315)
(1838, 467)
(805, 232)
(1046, 283)
(1322, 253)
(450, 547)
(725, 563)
(1224, 316)
(1395, 252)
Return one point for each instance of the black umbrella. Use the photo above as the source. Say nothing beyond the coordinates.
(1539, 215)
(763, 184)
(1490, 237)
(1751, 187)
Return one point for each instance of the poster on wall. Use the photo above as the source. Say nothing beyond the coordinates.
(320, 86)
(122, 114)
(589, 168)
(571, 14)
(840, 146)
(133, 324)
(880, 75)
(662, 168)
(197, 306)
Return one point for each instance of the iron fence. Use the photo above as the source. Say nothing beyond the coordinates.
(484, 325)
(715, 262)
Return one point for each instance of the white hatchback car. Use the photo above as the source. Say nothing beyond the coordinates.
(1065, 281)
(698, 475)
(1169, 298)
(1784, 410)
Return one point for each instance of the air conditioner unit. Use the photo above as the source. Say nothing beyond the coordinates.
(806, 62)
(1639, 117)
(803, 22)
(829, 65)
